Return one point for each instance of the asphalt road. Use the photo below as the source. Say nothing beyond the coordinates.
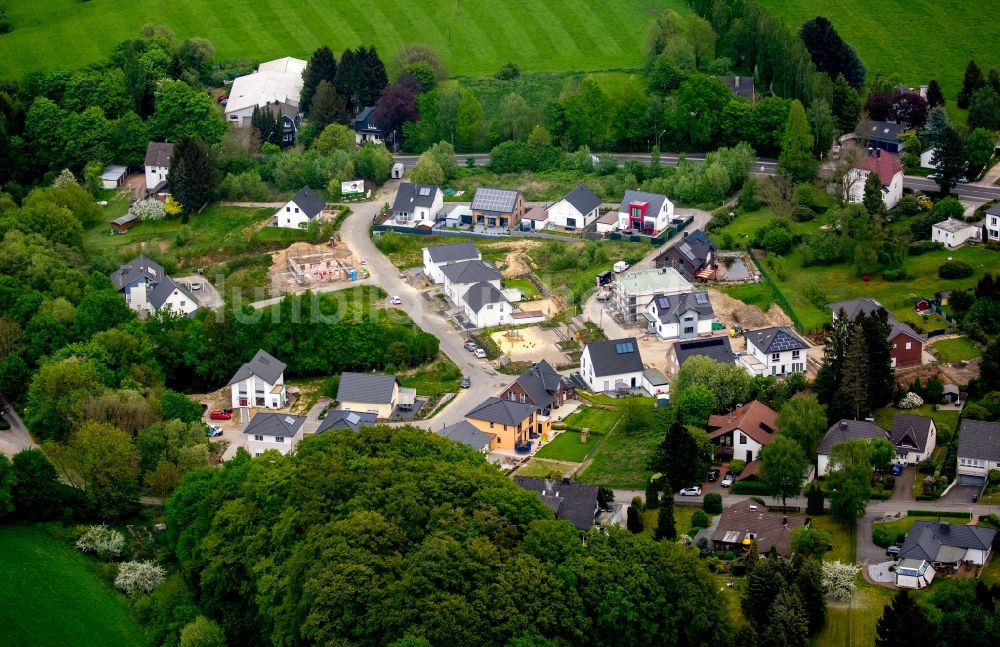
(17, 437)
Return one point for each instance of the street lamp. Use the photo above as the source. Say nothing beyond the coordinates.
(658, 138)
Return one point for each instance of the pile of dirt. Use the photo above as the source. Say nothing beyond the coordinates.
(516, 259)
(733, 311)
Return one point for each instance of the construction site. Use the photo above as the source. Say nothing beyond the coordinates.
(303, 267)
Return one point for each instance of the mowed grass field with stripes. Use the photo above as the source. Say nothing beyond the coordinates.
(473, 37)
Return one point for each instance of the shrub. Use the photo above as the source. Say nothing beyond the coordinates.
(750, 487)
(736, 466)
(729, 556)
(5, 23)
(136, 576)
(777, 241)
(952, 514)
(700, 520)
(508, 71)
(712, 503)
(926, 466)
(103, 541)
(802, 213)
(739, 568)
(919, 247)
(713, 563)
(895, 275)
(910, 401)
(954, 269)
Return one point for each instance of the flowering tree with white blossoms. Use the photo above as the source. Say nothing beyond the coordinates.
(838, 580)
(911, 401)
(148, 209)
(135, 576)
(65, 178)
(102, 540)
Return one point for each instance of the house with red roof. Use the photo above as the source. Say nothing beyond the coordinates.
(743, 432)
(890, 175)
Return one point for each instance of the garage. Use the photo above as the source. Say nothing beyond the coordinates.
(970, 479)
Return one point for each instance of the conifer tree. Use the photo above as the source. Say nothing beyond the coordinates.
(972, 81)
(935, 97)
(904, 623)
(193, 176)
(666, 526)
(322, 66)
(796, 159)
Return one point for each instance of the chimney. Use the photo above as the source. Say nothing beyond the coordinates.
(565, 480)
(737, 84)
(843, 424)
(784, 521)
(878, 152)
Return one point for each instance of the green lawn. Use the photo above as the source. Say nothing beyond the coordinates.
(527, 288)
(902, 526)
(567, 447)
(622, 461)
(755, 294)
(598, 420)
(844, 546)
(51, 595)
(682, 519)
(471, 38)
(916, 37)
(854, 624)
(436, 379)
(958, 349)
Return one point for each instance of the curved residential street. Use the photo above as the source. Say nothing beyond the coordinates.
(17, 437)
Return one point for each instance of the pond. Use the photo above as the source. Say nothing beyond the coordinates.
(735, 269)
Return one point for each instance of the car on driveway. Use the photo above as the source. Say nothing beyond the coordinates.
(896, 469)
(963, 180)
(713, 475)
(691, 491)
(214, 431)
(470, 346)
(480, 353)
(395, 300)
(728, 479)
(892, 551)
(221, 414)
(466, 382)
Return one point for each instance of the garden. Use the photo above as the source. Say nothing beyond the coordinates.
(957, 349)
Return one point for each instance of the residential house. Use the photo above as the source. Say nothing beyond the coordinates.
(718, 349)
(575, 210)
(259, 383)
(304, 207)
(978, 450)
(279, 431)
(915, 437)
(883, 135)
(485, 306)
(535, 219)
(157, 164)
(512, 424)
(147, 288)
(933, 546)
(612, 365)
(693, 256)
(890, 174)
(541, 386)
(740, 86)
(458, 277)
(468, 434)
(346, 419)
(276, 85)
(437, 256)
(954, 233)
(743, 432)
(841, 432)
(906, 346)
(416, 203)
(377, 394)
(365, 129)
(573, 502)
(774, 351)
(746, 522)
(680, 316)
(497, 208)
(113, 176)
(645, 213)
(993, 222)
(634, 291)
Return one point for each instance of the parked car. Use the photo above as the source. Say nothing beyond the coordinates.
(395, 300)
(728, 479)
(892, 551)
(221, 414)
(896, 469)
(480, 353)
(620, 266)
(694, 490)
(963, 180)
(713, 475)
(195, 285)
(214, 431)
(470, 346)
(466, 382)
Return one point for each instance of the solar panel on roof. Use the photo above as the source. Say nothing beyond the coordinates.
(352, 418)
(784, 341)
(425, 190)
(494, 200)
(662, 303)
(686, 250)
(289, 420)
(701, 298)
(624, 347)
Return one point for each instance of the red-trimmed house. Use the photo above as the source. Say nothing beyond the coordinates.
(906, 346)
(645, 213)
(541, 386)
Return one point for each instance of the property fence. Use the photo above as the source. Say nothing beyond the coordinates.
(779, 296)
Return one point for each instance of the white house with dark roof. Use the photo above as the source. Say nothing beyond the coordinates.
(774, 351)
(436, 257)
(978, 450)
(844, 431)
(275, 83)
(915, 437)
(954, 233)
(157, 164)
(259, 383)
(416, 203)
(648, 213)
(575, 210)
(466, 433)
(459, 276)
(486, 306)
(371, 393)
(932, 546)
(993, 222)
(680, 316)
(365, 129)
(278, 431)
(612, 365)
(168, 295)
(146, 288)
(304, 207)
(346, 419)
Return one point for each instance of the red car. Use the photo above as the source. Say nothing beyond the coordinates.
(221, 414)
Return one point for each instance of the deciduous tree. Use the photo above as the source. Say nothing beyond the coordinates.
(849, 481)
(803, 419)
(106, 459)
(984, 109)
(182, 111)
(783, 465)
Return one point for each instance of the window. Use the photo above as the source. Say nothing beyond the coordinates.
(489, 306)
(279, 439)
(259, 438)
(288, 208)
(183, 303)
(795, 354)
(775, 357)
(234, 117)
(908, 344)
(743, 439)
(688, 330)
(296, 209)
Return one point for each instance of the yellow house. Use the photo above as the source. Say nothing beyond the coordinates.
(510, 423)
(369, 393)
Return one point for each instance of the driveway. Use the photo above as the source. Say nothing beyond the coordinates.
(206, 296)
(961, 494)
(904, 485)
(17, 437)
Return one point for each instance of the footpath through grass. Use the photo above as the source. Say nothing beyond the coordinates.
(50, 595)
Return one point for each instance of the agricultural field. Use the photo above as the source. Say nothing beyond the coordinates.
(52, 596)
(473, 39)
(915, 39)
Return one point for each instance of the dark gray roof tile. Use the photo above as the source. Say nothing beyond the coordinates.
(847, 430)
(716, 348)
(346, 419)
(615, 356)
(583, 199)
(572, 502)
(466, 433)
(775, 340)
(979, 439)
(912, 430)
(502, 412)
(309, 202)
(263, 365)
(453, 252)
(275, 424)
(366, 387)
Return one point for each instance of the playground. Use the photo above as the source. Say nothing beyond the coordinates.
(530, 344)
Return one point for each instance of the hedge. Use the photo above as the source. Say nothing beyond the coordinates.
(750, 487)
(938, 513)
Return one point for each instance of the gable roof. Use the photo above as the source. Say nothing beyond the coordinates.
(162, 292)
(495, 200)
(655, 201)
(614, 356)
(881, 130)
(276, 81)
(365, 121)
(309, 202)
(464, 272)
(756, 420)
(852, 307)
(884, 164)
(898, 328)
(480, 294)
(583, 199)
(366, 387)
(466, 433)
(572, 502)
(740, 86)
(453, 252)
(346, 419)
(926, 540)
(845, 430)
(139, 267)
(410, 196)
(775, 340)
(995, 209)
(263, 365)
(504, 412)
(746, 518)
(911, 429)
(688, 255)
(716, 348)
(979, 439)
(540, 383)
(275, 424)
(158, 154)
(671, 308)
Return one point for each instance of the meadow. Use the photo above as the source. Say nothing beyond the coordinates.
(473, 39)
(52, 596)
